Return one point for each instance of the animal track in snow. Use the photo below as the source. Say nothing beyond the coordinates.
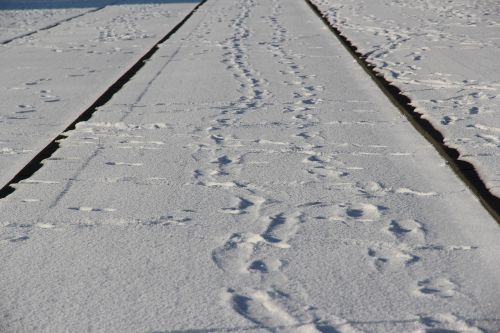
(275, 311)
(315, 157)
(26, 108)
(91, 209)
(449, 120)
(16, 239)
(234, 254)
(240, 207)
(439, 287)
(180, 218)
(265, 266)
(263, 309)
(385, 257)
(407, 230)
(364, 212)
(48, 97)
(325, 172)
(282, 228)
(446, 323)
(124, 164)
(225, 162)
(258, 265)
(38, 81)
(491, 140)
(373, 189)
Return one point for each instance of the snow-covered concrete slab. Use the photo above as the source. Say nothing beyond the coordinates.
(251, 177)
(16, 23)
(22, 17)
(444, 56)
(48, 79)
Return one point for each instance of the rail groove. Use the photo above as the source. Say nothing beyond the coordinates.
(37, 162)
(463, 169)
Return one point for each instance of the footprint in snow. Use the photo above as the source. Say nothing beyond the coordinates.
(240, 207)
(474, 110)
(275, 311)
(364, 212)
(258, 266)
(263, 309)
(324, 172)
(315, 158)
(445, 323)
(437, 287)
(391, 258)
(449, 120)
(407, 229)
(282, 228)
(167, 220)
(25, 108)
(19, 239)
(35, 82)
(234, 254)
(373, 189)
(263, 266)
(47, 97)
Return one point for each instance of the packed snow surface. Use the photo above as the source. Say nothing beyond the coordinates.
(445, 56)
(250, 178)
(17, 23)
(23, 17)
(48, 79)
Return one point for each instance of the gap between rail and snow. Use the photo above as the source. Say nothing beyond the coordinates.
(37, 162)
(464, 170)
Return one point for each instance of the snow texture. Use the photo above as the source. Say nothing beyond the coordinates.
(17, 23)
(250, 178)
(444, 56)
(55, 74)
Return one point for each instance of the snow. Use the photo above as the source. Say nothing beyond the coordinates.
(19, 18)
(17, 23)
(444, 56)
(55, 74)
(250, 177)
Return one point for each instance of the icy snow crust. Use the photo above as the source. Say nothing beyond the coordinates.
(48, 79)
(250, 178)
(444, 56)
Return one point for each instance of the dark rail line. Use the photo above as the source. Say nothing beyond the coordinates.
(465, 170)
(37, 162)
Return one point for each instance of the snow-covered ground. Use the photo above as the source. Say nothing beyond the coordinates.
(445, 56)
(48, 79)
(19, 18)
(16, 23)
(250, 177)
